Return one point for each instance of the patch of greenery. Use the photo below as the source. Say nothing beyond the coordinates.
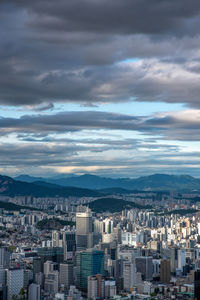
(12, 248)
(14, 207)
(53, 224)
(114, 205)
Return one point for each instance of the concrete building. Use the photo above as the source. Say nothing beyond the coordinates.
(181, 258)
(51, 283)
(83, 227)
(49, 267)
(15, 281)
(110, 289)
(129, 275)
(69, 244)
(144, 266)
(165, 272)
(96, 287)
(4, 257)
(57, 239)
(34, 292)
(66, 275)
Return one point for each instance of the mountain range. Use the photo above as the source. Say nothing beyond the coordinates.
(93, 186)
(155, 182)
(11, 187)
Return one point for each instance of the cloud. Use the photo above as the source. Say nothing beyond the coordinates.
(69, 51)
(93, 52)
(113, 16)
(171, 126)
(48, 158)
(44, 107)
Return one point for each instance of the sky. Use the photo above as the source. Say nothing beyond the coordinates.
(107, 87)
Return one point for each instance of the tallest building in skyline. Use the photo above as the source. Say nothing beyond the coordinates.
(84, 235)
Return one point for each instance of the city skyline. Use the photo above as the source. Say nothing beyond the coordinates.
(103, 87)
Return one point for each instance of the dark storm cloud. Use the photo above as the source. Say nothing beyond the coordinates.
(114, 16)
(166, 126)
(64, 51)
(144, 81)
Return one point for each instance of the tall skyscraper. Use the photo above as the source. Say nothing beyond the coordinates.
(144, 266)
(66, 275)
(83, 227)
(4, 257)
(174, 259)
(15, 281)
(37, 266)
(89, 263)
(69, 244)
(165, 273)
(129, 275)
(181, 258)
(197, 285)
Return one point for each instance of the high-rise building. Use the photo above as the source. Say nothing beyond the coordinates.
(2, 276)
(57, 239)
(55, 254)
(83, 227)
(89, 263)
(144, 265)
(51, 283)
(129, 275)
(28, 277)
(39, 279)
(118, 273)
(110, 289)
(92, 288)
(165, 272)
(34, 292)
(98, 226)
(174, 259)
(4, 257)
(69, 244)
(108, 225)
(15, 281)
(66, 275)
(96, 287)
(37, 266)
(49, 267)
(181, 258)
(197, 285)
(2, 283)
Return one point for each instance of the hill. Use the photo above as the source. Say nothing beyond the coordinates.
(11, 187)
(53, 224)
(28, 178)
(113, 205)
(156, 182)
(14, 207)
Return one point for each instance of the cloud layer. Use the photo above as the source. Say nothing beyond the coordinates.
(69, 51)
(174, 126)
(55, 54)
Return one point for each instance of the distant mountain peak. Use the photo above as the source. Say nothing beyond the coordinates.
(152, 182)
